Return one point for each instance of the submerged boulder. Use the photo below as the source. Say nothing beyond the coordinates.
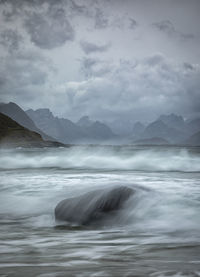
(92, 206)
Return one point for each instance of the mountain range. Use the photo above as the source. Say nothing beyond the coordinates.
(172, 128)
(66, 131)
(166, 129)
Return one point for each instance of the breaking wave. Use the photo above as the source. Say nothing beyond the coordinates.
(103, 158)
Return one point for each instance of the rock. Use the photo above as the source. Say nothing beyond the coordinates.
(93, 206)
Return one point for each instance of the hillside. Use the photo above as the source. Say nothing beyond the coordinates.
(17, 114)
(13, 134)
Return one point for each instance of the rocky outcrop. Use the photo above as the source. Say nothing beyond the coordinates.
(94, 206)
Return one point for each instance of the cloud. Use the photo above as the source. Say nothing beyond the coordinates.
(101, 21)
(46, 22)
(22, 71)
(132, 23)
(79, 9)
(49, 30)
(11, 39)
(167, 27)
(126, 82)
(89, 47)
(138, 89)
(91, 67)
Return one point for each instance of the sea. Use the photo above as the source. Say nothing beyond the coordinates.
(156, 233)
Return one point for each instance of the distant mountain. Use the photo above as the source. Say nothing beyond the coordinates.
(138, 128)
(194, 139)
(152, 141)
(62, 129)
(13, 134)
(67, 131)
(188, 127)
(159, 129)
(16, 113)
(173, 121)
(122, 127)
(99, 131)
(172, 128)
(84, 122)
(193, 126)
(95, 129)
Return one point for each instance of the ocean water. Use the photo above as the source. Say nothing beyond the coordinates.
(157, 233)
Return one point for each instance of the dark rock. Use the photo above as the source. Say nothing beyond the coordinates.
(93, 206)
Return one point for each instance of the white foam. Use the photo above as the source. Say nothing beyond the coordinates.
(103, 158)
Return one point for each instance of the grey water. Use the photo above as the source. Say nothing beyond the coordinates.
(157, 233)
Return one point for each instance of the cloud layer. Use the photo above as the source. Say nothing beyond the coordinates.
(49, 30)
(89, 47)
(137, 88)
(168, 28)
(107, 59)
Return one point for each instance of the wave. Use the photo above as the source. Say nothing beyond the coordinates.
(103, 158)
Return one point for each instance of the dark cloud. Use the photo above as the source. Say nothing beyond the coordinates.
(79, 9)
(11, 39)
(50, 30)
(130, 81)
(132, 23)
(95, 67)
(187, 36)
(10, 14)
(101, 21)
(137, 89)
(167, 27)
(22, 70)
(45, 21)
(89, 47)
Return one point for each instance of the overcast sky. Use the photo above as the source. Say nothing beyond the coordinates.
(108, 59)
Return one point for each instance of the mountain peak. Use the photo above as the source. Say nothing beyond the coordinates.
(84, 121)
(173, 120)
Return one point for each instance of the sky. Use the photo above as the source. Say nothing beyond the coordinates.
(108, 59)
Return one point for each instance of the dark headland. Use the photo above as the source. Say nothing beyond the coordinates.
(12, 134)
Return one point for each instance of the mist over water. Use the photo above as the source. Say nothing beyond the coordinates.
(155, 234)
(104, 158)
